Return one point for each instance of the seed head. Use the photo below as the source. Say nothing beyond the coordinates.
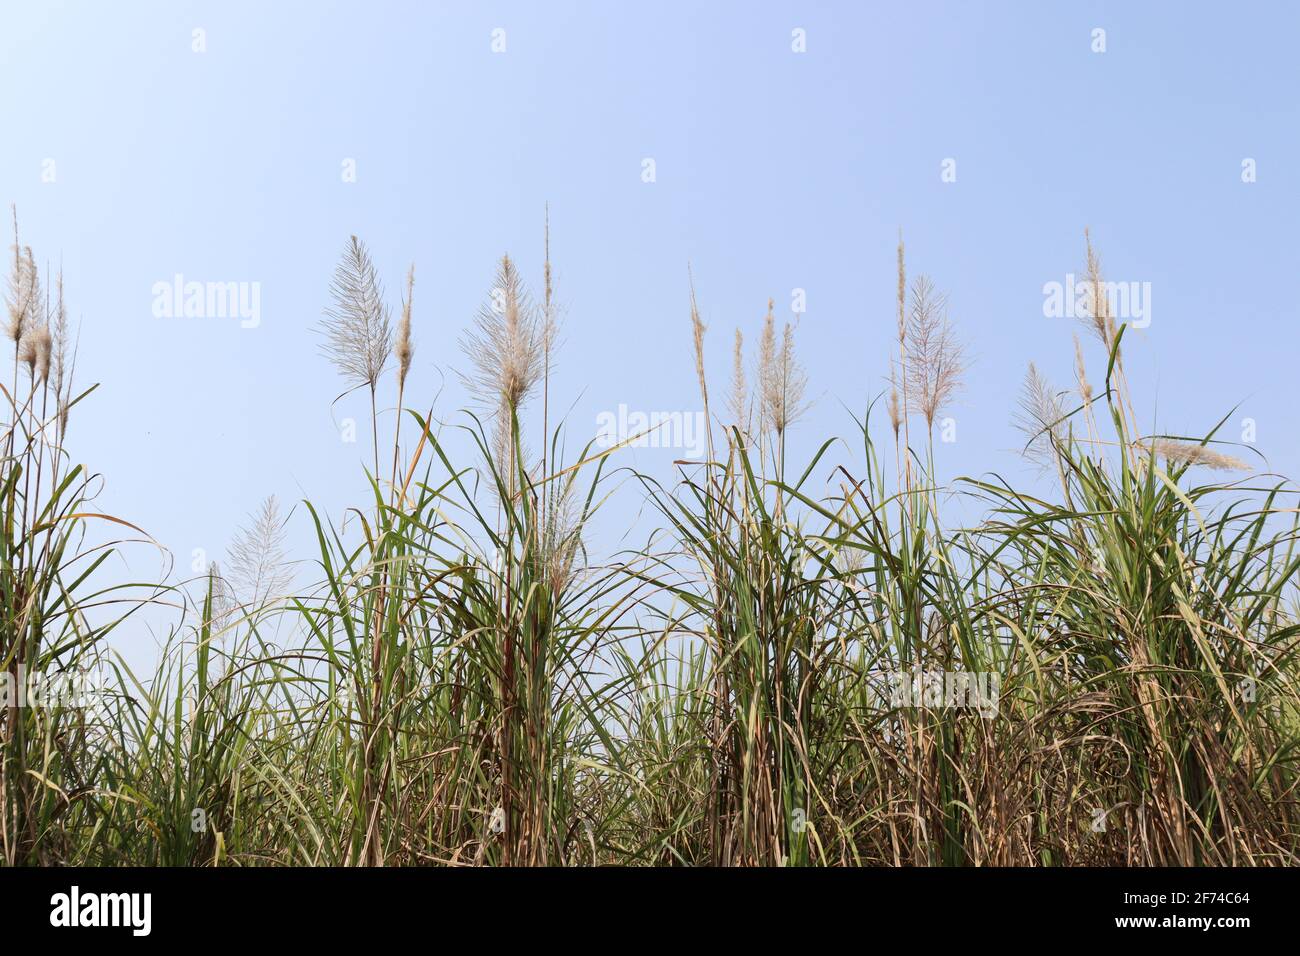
(405, 349)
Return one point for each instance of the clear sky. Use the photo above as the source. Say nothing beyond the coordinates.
(775, 170)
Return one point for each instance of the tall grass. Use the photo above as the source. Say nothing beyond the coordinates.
(465, 684)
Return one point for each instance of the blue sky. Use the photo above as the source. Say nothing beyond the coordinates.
(775, 171)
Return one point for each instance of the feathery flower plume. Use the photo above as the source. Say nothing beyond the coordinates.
(223, 600)
(1040, 416)
(898, 411)
(794, 380)
(19, 294)
(60, 337)
(766, 371)
(1098, 320)
(934, 357)
(1188, 453)
(738, 399)
(767, 348)
(67, 394)
(28, 307)
(1081, 372)
(506, 348)
(32, 320)
(357, 327)
(258, 563)
(43, 342)
(506, 344)
(27, 355)
(902, 291)
(62, 374)
(550, 332)
(405, 349)
(550, 320)
(561, 540)
(698, 328)
(781, 379)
